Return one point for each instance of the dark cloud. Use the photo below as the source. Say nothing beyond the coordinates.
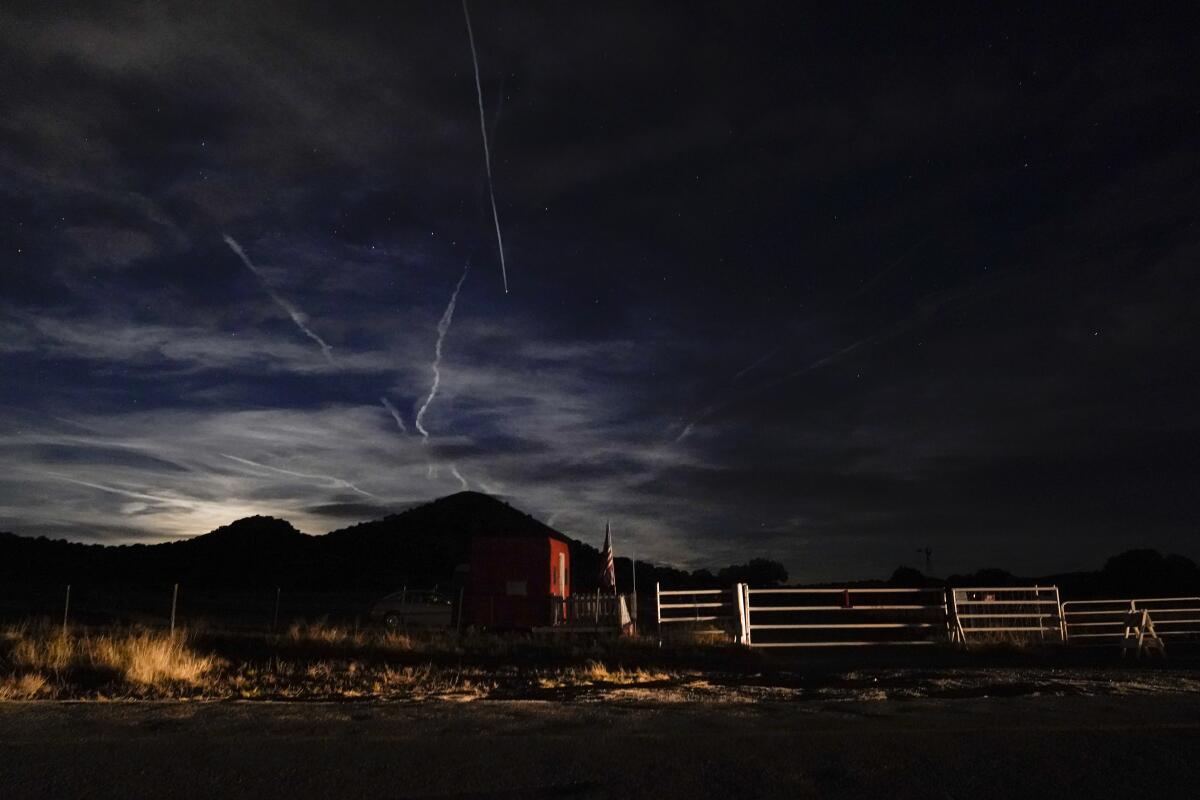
(821, 288)
(356, 511)
(113, 456)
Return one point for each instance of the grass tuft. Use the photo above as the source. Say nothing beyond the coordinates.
(595, 673)
(149, 659)
(317, 662)
(23, 687)
(137, 658)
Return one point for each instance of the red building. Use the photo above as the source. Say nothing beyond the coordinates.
(515, 582)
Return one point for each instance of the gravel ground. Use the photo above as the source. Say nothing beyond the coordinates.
(627, 743)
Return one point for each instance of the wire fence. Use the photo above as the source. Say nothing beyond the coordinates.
(173, 605)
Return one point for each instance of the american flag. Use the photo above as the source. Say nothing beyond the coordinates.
(608, 572)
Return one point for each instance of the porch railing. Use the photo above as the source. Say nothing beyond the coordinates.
(609, 610)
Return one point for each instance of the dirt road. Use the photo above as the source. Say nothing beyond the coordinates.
(1030, 747)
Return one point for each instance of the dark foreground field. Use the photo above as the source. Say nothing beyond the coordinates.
(323, 712)
(1020, 747)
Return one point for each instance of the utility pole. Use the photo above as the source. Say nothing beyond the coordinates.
(928, 551)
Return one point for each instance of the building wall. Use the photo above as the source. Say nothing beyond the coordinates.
(560, 569)
(512, 580)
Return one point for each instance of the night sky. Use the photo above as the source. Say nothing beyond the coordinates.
(819, 285)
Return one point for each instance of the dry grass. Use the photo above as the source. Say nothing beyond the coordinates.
(323, 640)
(149, 658)
(339, 679)
(50, 661)
(50, 653)
(1010, 641)
(350, 639)
(23, 687)
(312, 662)
(595, 673)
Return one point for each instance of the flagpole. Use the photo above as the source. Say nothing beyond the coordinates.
(634, 598)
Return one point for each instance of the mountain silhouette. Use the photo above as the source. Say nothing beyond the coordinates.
(253, 558)
(240, 569)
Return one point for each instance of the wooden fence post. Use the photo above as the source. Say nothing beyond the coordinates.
(174, 601)
(66, 609)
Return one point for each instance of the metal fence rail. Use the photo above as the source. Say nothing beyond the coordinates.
(705, 611)
(1105, 622)
(981, 613)
(1173, 616)
(1096, 621)
(844, 617)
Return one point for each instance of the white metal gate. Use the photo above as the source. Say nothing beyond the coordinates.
(699, 611)
(1174, 617)
(1105, 621)
(984, 613)
(844, 617)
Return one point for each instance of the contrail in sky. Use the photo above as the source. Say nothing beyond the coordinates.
(123, 492)
(864, 289)
(442, 326)
(820, 362)
(454, 471)
(922, 314)
(487, 155)
(298, 316)
(762, 360)
(335, 481)
(395, 414)
(869, 285)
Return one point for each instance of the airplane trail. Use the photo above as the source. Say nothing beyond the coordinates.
(762, 360)
(487, 155)
(869, 285)
(298, 316)
(820, 362)
(922, 314)
(335, 481)
(395, 414)
(122, 492)
(442, 327)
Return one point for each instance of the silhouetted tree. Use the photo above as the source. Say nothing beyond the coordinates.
(987, 577)
(1148, 572)
(757, 572)
(909, 578)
